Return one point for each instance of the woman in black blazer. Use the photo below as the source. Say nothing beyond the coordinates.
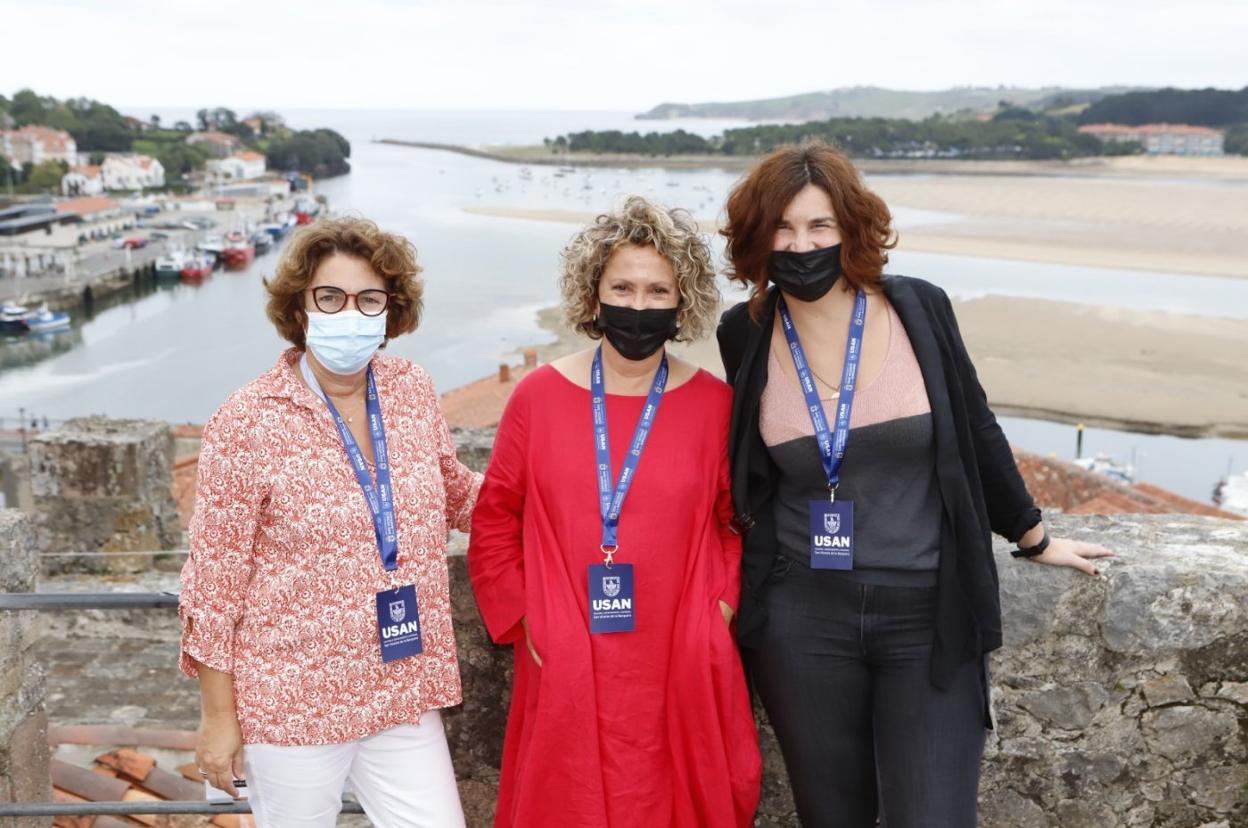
(867, 487)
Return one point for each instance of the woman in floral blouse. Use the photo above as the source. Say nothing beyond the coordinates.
(315, 607)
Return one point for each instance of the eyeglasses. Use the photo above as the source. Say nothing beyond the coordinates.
(372, 302)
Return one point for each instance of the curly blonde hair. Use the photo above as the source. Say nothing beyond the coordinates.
(391, 256)
(672, 233)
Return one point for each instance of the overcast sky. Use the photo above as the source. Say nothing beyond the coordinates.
(591, 54)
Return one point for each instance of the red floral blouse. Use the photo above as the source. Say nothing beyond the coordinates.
(280, 585)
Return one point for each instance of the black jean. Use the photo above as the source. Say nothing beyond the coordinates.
(842, 670)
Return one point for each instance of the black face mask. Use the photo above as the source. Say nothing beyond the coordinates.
(805, 276)
(636, 334)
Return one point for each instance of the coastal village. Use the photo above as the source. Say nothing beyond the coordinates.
(113, 222)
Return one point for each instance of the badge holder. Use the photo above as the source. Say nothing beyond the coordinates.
(398, 623)
(832, 533)
(611, 595)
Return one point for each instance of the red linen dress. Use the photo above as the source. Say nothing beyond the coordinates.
(649, 728)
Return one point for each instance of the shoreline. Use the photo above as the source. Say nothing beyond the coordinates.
(1028, 356)
(1135, 247)
(1122, 167)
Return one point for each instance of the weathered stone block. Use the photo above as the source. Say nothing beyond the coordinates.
(104, 486)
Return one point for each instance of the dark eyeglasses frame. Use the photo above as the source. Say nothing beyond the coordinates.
(316, 299)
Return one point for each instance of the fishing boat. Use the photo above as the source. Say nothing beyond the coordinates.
(13, 318)
(238, 251)
(212, 247)
(262, 242)
(47, 321)
(280, 226)
(170, 265)
(197, 268)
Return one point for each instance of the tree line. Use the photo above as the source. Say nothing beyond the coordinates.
(1012, 133)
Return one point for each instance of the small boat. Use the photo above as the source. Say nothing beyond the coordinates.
(279, 227)
(197, 268)
(46, 321)
(1105, 465)
(170, 265)
(211, 246)
(238, 251)
(262, 242)
(13, 318)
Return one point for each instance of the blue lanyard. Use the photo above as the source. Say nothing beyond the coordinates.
(611, 503)
(831, 445)
(380, 495)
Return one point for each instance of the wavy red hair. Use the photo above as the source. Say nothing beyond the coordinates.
(757, 203)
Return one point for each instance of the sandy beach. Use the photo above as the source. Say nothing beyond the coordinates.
(1190, 227)
(1138, 370)
(1108, 366)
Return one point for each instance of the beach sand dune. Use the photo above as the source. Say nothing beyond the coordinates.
(1103, 366)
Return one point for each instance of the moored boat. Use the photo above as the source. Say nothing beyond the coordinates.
(47, 321)
(197, 268)
(170, 265)
(262, 242)
(13, 318)
(238, 251)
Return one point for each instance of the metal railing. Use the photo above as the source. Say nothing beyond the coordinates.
(51, 601)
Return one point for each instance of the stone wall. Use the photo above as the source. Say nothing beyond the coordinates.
(23, 721)
(1121, 700)
(104, 486)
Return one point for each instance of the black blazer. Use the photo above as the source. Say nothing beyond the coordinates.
(979, 480)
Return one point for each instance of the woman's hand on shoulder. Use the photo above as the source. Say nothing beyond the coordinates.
(1074, 554)
(726, 611)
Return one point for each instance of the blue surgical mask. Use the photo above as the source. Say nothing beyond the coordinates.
(345, 341)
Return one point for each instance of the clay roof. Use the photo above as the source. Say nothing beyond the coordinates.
(1149, 129)
(87, 204)
(248, 155)
(53, 139)
(89, 170)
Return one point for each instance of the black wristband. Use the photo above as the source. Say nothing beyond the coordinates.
(1032, 551)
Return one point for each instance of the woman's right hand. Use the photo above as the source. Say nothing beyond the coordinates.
(528, 641)
(219, 751)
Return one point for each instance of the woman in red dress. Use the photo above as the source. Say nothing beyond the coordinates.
(619, 579)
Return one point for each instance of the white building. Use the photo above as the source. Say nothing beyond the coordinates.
(241, 166)
(132, 172)
(1163, 139)
(82, 180)
(36, 144)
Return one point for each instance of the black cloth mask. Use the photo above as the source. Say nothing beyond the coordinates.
(805, 276)
(636, 334)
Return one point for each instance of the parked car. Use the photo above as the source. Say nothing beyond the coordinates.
(130, 243)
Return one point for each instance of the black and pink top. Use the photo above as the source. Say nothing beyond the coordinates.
(889, 471)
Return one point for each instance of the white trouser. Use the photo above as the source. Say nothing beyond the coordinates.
(402, 776)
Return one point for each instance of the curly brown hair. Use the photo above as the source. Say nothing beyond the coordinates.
(757, 202)
(672, 233)
(391, 257)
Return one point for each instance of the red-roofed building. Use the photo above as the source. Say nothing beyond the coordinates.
(88, 206)
(241, 166)
(1162, 139)
(36, 144)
